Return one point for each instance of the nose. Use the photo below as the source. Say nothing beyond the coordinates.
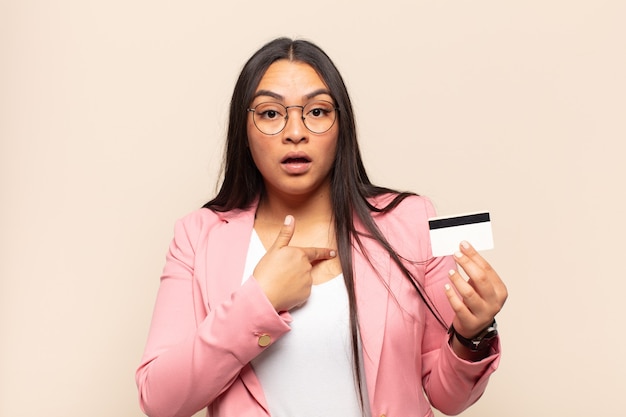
(295, 131)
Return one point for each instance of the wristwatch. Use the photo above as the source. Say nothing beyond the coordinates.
(480, 342)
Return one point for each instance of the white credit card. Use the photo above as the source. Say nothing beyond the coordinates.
(447, 232)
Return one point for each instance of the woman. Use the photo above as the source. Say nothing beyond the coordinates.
(302, 289)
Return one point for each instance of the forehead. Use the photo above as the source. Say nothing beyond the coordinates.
(291, 79)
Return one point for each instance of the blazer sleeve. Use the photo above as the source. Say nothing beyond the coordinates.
(190, 360)
(451, 383)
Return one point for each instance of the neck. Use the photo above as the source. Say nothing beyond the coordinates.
(313, 216)
(312, 208)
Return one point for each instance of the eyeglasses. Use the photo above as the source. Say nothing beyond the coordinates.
(271, 117)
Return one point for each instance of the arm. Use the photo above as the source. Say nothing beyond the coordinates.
(190, 359)
(454, 377)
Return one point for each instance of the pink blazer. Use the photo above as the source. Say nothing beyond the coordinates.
(206, 325)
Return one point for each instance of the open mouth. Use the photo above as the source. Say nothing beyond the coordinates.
(296, 161)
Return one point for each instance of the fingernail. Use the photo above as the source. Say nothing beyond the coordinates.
(451, 272)
(447, 287)
(288, 219)
(458, 255)
(333, 253)
(465, 244)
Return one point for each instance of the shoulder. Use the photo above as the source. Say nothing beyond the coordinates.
(412, 207)
(198, 220)
(205, 217)
(189, 229)
(406, 225)
(199, 223)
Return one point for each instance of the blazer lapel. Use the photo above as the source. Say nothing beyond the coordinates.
(372, 296)
(226, 255)
(225, 262)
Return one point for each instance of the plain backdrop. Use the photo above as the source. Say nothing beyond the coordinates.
(112, 121)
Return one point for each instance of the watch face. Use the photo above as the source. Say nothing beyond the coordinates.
(483, 340)
(480, 342)
(491, 333)
(487, 339)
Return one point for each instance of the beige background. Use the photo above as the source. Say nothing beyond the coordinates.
(112, 117)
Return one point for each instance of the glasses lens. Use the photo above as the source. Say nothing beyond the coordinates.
(269, 118)
(319, 116)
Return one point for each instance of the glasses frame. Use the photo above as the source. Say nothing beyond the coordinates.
(286, 118)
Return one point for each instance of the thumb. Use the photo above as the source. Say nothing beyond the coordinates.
(286, 232)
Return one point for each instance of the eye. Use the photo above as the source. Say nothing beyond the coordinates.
(317, 112)
(270, 114)
(269, 111)
(319, 109)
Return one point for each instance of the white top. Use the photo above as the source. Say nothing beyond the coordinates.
(308, 372)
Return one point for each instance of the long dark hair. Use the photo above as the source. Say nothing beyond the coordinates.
(351, 189)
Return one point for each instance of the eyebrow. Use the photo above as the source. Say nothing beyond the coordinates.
(277, 96)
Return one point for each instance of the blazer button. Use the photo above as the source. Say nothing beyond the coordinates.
(264, 340)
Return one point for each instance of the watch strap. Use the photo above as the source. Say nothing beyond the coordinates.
(480, 342)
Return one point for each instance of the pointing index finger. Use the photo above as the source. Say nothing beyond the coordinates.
(319, 254)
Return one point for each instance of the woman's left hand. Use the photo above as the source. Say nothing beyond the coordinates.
(477, 300)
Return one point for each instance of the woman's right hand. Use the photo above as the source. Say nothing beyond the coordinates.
(284, 273)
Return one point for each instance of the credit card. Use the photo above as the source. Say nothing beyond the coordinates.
(447, 232)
